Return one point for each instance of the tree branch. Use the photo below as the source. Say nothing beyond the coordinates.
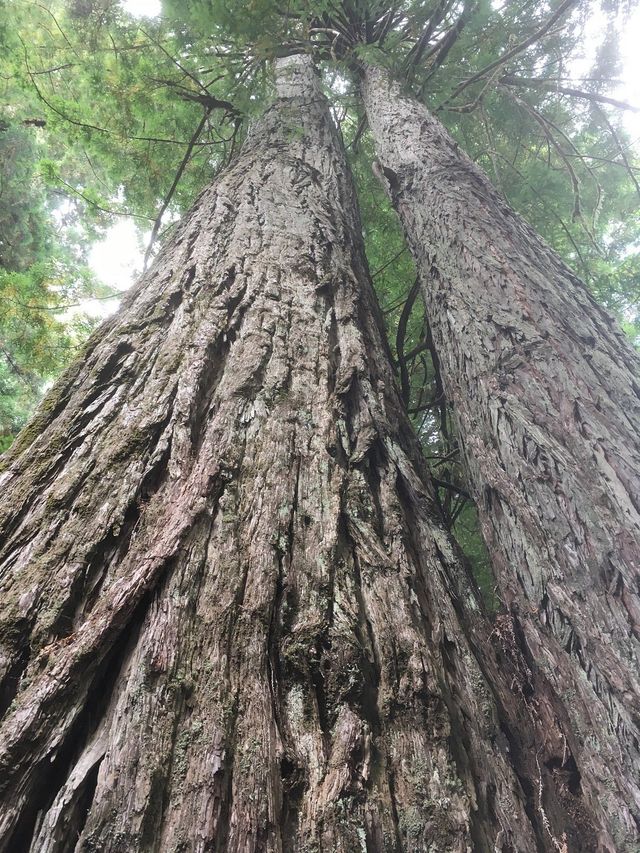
(441, 50)
(519, 48)
(621, 151)
(401, 333)
(549, 86)
(172, 189)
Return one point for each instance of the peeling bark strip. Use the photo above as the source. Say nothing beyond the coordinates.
(546, 395)
(231, 620)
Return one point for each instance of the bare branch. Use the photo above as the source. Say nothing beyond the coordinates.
(184, 70)
(388, 264)
(172, 189)
(94, 204)
(621, 151)
(417, 51)
(441, 50)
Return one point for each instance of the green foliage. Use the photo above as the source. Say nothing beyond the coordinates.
(22, 215)
(41, 273)
(91, 128)
(36, 338)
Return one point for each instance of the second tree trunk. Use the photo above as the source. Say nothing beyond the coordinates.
(545, 393)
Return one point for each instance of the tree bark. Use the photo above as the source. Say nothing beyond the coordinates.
(545, 393)
(232, 619)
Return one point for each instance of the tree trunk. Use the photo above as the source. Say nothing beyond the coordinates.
(546, 398)
(232, 619)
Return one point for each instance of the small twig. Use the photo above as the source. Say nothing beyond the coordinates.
(443, 48)
(17, 370)
(415, 54)
(424, 407)
(621, 150)
(452, 488)
(362, 124)
(388, 263)
(587, 272)
(185, 71)
(544, 124)
(94, 204)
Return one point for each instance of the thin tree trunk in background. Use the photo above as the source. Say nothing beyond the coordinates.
(545, 393)
(232, 620)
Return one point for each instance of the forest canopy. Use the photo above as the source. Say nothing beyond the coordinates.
(107, 117)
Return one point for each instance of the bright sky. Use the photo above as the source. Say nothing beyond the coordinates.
(629, 89)
(117, 260)
(142, 8)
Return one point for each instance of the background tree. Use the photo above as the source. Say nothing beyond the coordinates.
(44, 280)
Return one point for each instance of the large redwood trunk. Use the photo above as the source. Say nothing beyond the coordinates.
(231, 618)
(545, 393)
